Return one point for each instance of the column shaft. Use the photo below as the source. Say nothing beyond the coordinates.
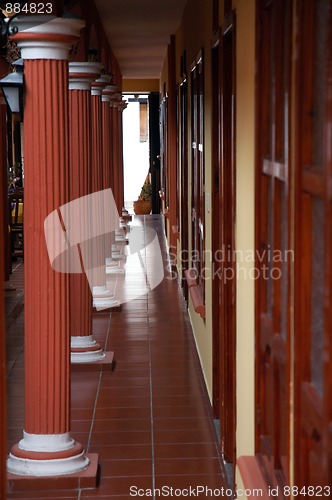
(120, 171)
(102, 297)
(113, 162)
(97, 173)
(46, 299)
(106, 151)
(114, 111)
(106, 144)
(83, 347)
(6, 259)
(80, 185)
(3, 371)
(118, 155)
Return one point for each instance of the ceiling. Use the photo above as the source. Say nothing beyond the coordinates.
(139, 32)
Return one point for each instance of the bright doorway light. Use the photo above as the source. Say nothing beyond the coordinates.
(135, 146)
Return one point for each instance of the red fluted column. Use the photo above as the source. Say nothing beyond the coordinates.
(114, 112)
(106, 162)
(118, 106)
(84, 349)
(106, 117)
(114, 180)
(112, 267)
(111, 91)
(47, 448)
(3, 412)
(102, 297)
(122, 107)
(6, 260)
(96, 144)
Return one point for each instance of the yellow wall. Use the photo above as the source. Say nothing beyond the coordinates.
(140, 86)
(245, 185)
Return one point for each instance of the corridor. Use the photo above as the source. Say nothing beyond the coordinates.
(149, 420)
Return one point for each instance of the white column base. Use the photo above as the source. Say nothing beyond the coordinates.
(124, 225)
(114, 270)
(103, 298)
(52, 444)
(109, 262)
(105, 303)
(117, 256)
(87, 356)
(116, 253)
(88, 353)
(58, 467)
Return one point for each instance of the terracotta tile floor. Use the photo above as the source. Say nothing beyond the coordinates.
(149, 419)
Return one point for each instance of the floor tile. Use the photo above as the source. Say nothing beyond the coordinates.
(185, 466)
(121, 424)
(137, 451)
(121, 486)
(126, 468)
(185, 450)
(112, 437)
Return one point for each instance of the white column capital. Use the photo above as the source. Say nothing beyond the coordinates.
(83, 74)
(105, 97)
(112, 89)
(108, 93)
(46, 37)
(99, 85)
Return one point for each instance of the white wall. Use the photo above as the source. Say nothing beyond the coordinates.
(135, 153)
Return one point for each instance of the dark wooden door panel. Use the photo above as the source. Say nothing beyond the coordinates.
(224, 208)
(273, 238)
(198, 169)
(227, 189)
(313, 391)
(184, 223)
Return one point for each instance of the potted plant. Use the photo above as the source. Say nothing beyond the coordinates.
(143, 205)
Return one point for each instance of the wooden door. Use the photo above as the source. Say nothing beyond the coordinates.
(183, 118)
(198, 171)
(223, 242)
(273, 258)
(313, 311)
(164, 150)
(216, 223)
(227, 189)
(154, 148)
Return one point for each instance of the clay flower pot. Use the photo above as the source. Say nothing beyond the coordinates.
(142, 207)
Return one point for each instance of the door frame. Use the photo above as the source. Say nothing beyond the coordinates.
(224, 216)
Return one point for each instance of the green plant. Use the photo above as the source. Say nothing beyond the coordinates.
(146, 191)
